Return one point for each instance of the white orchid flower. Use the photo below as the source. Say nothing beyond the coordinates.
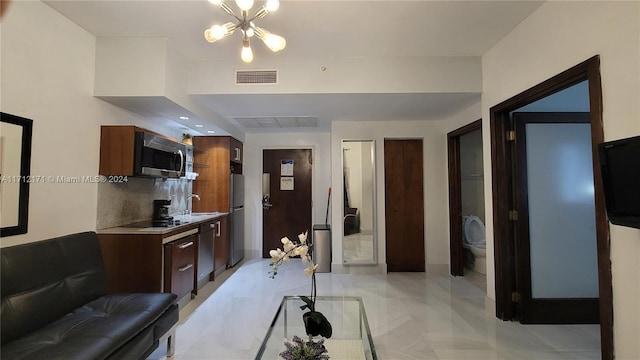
(278, 255)
(303, 237)
(289, 247)
(275, 254)
(287, 244)
(310, 269)
(302, 251)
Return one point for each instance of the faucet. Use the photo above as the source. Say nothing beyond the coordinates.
(188, 210)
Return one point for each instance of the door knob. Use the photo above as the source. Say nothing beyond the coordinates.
(266, 202)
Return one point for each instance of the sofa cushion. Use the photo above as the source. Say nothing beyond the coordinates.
(95, 330)
(42, 281)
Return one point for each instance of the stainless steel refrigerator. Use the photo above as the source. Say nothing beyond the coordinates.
(236, 216)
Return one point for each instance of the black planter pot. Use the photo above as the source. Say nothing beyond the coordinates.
(315, 323)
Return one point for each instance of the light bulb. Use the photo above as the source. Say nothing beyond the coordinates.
(246, 54)
(249, 32)
(209, 36)
(273, 5)
(274, 42)
(216, 2)
(244, 4)
(218, 32)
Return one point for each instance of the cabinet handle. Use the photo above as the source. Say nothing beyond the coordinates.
(185, 245)
(237, 154)
(185, 268)
(212, 225)
(217, 228)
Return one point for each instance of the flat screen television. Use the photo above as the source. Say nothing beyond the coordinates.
(620, 166)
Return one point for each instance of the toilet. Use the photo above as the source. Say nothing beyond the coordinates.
(474, 239)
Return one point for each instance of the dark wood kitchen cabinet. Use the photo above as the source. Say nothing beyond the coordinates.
(180, 265)
(235, 151)
(221, 156)
(150, 262)
(133, 262)
(117, 148)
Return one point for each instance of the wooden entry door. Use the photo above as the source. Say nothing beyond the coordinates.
(290, 195)
(404, 209)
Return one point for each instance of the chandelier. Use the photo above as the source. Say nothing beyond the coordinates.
(247, 27)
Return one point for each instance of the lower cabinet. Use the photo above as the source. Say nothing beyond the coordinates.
(179, 265)
(178, 261)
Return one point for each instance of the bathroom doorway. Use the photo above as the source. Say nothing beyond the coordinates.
(503, 163)
(466, 203)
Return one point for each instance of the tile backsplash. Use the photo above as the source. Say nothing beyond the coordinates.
(125, 203)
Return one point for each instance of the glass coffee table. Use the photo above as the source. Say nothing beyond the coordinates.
(351, 338)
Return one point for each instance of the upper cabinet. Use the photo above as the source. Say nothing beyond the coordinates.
(221, 156)
(133, 151)
(235, 150)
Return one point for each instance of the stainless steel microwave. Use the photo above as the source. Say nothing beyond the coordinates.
(157, 156)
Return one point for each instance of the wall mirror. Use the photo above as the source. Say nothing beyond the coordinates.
(15, 166)
(358, 169)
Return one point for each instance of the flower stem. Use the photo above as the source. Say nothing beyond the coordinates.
(313, 291)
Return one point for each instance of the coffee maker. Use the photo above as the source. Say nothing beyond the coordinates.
(161, 213)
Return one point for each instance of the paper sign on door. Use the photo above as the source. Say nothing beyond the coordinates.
(286, 183)
(286, 167)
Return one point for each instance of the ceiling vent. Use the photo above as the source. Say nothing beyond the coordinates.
(280, 122)
(256, 77)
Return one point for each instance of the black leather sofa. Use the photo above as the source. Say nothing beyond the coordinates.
(55, 306)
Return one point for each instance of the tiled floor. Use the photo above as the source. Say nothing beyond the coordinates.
(411, 315)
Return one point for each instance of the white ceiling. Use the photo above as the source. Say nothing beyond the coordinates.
(347, 29)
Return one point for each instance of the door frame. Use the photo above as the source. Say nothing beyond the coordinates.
(456, 249)
(503, 194)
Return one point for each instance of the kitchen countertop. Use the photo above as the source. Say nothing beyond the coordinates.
(186, 222)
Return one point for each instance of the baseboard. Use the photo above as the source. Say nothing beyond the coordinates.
(359, 269)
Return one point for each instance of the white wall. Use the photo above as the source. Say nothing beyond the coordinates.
(252, 170)
(348, 75)
(433, 133)
(556, 37)
(48, 76)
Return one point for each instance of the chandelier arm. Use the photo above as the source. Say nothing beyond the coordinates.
(229, 11)
(231, 29)
(260, 14)
(257, 30)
